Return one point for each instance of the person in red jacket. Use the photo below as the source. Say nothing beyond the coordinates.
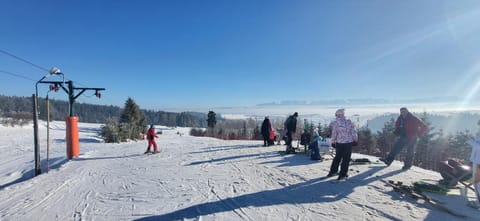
(408, 128)
(151, 140)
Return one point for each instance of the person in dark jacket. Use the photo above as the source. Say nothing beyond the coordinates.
(266, 128)
(151, 140)
(291, 127)
(408, 128)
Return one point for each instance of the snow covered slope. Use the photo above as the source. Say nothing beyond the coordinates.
(195, 178)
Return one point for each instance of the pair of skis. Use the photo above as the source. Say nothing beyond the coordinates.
(151, 152)
(416, 194)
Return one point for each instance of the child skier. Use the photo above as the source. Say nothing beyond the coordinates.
(151, 140)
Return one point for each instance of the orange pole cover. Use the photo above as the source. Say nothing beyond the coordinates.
(73, 147)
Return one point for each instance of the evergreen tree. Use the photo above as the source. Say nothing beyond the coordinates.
(327, 131)
(423, 156)
(311, 127)
(257, 133)
(385, 138)
(132, 120)
(438, 149)
(320, 130)
(458, 146)
(244, 130)
(110, 132)
(366, 141)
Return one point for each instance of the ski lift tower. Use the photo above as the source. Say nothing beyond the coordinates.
(53, 72)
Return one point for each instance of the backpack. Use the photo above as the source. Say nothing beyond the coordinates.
(454, 168)
(304, 138)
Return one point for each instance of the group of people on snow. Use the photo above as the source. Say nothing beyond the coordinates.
(344, 136)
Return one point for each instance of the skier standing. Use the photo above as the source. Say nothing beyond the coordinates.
(266, 128)
(408, 128)
(291, 127)
(344, 136)
(151, 139)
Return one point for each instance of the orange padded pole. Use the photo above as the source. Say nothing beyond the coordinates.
(73, 147)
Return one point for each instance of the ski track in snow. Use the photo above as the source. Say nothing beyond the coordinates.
(195, 178)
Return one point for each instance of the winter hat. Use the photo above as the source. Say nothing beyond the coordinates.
(340, 112)
(315, 133)
(295, 114)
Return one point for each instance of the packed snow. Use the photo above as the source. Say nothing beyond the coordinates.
(198, 178)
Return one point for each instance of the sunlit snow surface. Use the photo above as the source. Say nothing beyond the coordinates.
(197, 178)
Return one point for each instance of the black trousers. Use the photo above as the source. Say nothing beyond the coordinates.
(265, 139)
(343, 154)
(289, 138)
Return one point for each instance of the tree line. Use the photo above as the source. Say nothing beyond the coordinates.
(91, 113)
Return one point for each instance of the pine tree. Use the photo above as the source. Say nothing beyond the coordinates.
(327, 131)
(320, 130)
(110, 132)
(423, 156)
(257, 133)
(132, 120)
(458, 146)
(385, 138)
(366, 141)
(244, 130)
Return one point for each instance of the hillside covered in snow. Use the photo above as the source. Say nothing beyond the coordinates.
(199, 178)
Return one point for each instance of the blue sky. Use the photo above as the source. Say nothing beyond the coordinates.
(188, 54)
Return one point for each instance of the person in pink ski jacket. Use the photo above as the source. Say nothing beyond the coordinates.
(344, 136)
(151, 140)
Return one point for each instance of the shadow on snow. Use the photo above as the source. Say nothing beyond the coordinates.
(81, 140)
(56, 163)
(311, 191)
(255, 155)
(222, 148)
(53, 163)
(287, 160)
(106, 157)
